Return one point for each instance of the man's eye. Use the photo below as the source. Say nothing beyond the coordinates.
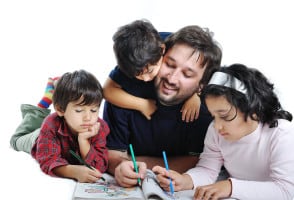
(187, 75)
(169, 65)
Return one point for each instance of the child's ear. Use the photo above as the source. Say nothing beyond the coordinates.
(162, 48)
(58, 110)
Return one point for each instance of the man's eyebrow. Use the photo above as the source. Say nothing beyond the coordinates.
(171, 58)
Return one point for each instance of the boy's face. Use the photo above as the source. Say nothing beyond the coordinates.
(80, 118)
(179, 75)
(149, 72)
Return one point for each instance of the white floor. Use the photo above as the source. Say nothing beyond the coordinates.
(23, 179)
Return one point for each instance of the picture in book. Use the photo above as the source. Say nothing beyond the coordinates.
(107, 189)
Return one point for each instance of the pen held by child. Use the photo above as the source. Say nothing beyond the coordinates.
(83, 162)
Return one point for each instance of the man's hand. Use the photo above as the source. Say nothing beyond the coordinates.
(125, 174)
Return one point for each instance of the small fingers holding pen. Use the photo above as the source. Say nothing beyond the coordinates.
(162, 176)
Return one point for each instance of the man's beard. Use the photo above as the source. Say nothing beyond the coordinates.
(170, 100)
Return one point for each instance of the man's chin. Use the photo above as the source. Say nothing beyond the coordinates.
(166, 100)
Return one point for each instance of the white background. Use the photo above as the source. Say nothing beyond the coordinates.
(41, 39)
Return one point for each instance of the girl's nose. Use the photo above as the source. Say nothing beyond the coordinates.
(218, 126)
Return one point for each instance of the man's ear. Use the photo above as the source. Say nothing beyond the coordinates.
(58, 110)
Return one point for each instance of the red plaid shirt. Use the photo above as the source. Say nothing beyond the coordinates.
(55, 140)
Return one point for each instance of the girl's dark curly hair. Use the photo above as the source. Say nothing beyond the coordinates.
(259, 103)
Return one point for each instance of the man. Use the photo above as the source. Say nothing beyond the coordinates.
(190, 55)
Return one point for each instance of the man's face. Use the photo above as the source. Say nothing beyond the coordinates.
(179, 75)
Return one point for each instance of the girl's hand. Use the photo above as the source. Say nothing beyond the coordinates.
(221, 189)
(179, 181)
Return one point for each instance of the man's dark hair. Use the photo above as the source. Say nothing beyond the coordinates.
(201, 40)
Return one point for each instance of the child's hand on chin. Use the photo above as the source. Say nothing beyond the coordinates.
(92, 131)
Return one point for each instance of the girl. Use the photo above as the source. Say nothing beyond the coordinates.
(250, 135)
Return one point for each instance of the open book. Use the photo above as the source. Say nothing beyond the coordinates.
(109, 189)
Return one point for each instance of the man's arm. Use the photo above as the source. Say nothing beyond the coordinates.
(115, 157)
(178, 163)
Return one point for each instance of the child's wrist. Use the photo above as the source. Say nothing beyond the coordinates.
(231, 186)
(189, 185)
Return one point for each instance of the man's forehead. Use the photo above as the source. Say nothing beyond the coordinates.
(181, 53)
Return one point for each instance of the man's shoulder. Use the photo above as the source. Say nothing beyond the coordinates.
(164, 35)
(112, 111)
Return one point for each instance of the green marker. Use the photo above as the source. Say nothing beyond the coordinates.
(135, 163)
(82, 161)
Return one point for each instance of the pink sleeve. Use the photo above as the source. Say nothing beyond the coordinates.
(281, 181)
(210, 163)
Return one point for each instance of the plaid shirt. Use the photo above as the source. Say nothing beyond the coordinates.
(55, 140)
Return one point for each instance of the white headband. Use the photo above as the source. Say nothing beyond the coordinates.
(223, 79)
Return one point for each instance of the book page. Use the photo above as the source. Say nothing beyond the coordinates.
(107, 189)
(152, 190)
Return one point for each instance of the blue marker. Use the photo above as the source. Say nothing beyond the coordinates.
(166, 166)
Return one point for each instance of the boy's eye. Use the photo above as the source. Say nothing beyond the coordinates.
(150, 70)
(78, 110)
(139, 73)
(147, 69)
(94, 110)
